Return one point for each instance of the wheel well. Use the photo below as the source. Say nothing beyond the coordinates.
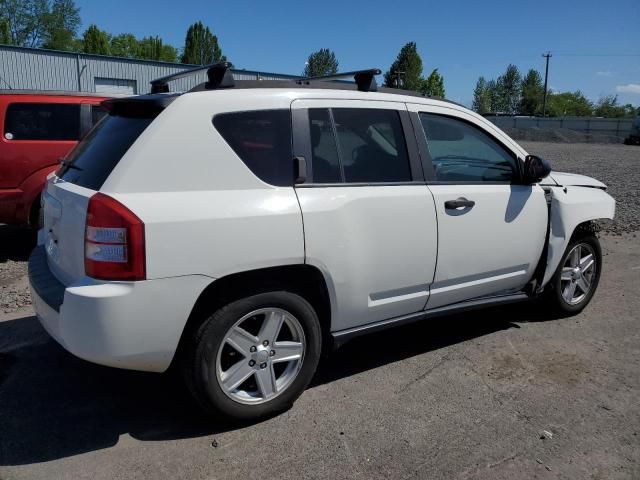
(304, 280)
(590, 227)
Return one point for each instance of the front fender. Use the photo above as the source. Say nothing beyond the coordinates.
(571, 206)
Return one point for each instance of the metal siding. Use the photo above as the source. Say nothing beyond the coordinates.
(37, 69)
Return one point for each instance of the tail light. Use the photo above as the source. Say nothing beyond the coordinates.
(114, 241)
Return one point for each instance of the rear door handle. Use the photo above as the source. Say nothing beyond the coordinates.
(459, 203)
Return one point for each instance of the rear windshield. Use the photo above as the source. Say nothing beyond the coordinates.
(95, 157)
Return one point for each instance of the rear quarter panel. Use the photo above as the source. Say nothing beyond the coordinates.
(204, 211)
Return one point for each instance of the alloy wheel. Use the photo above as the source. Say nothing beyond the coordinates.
(578, 273)
(260, 356)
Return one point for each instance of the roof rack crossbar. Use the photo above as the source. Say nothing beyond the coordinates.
(219, 75)
(365, 79)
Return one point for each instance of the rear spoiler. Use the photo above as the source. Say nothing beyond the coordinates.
(138, 106)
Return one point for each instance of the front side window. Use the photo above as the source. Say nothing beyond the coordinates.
(461, 152)
(42, 121)
(262, 140)
(363, 145)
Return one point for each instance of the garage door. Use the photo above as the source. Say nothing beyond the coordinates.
(115, 86)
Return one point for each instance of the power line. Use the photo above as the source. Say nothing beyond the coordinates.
(597, 54)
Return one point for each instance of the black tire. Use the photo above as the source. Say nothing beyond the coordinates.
(199, 366)
(553, 295)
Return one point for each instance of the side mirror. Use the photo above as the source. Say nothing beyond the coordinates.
(535, 169)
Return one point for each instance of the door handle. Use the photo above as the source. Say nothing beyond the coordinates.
(459, 203)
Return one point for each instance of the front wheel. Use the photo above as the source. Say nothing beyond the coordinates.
(255, 356)
(577, 276)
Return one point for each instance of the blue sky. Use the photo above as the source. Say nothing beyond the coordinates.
(591, 40)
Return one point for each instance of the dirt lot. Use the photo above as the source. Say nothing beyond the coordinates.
(501, 394)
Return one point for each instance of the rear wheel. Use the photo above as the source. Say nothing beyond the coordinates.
(577, 276)
(255, 356)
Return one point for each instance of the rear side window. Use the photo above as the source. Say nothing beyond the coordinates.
(262, 140)
(42, 121)
(324, 153)
(362, 145)
(95, 157)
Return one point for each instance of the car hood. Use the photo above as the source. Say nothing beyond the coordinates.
(573, 179)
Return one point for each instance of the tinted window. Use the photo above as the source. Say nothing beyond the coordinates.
(262, 140)
(371, 145)
(324, 154)
(94, 158)
(463, 153)
(42, 121)
(97, 114)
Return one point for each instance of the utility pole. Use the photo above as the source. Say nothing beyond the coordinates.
(546, 77)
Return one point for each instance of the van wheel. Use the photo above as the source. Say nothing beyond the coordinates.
(577, 276)
(254, 357)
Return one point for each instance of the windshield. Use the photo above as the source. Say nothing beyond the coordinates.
(94, 158)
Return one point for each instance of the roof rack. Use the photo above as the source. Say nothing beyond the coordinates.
(365, 79)
(219, 75)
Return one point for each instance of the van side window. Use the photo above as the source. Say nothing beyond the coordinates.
(42, 121)
(461, 152)
(97, 113)
(262, 140)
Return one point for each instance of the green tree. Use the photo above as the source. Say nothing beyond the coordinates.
(201, 46)
(5, 35)
(169, 53)
(62, 24)
(152, 48)
(481, 97)
(568, 104)
(493, 92)
(433, 85)
(608, 107)
(532, 92)
(26, 21)
(95, 41)
(124, 45)
(406, 71)
(322, 62)
(509, 89)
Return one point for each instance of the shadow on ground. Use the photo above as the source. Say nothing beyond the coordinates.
(53, 405)
(16, 243)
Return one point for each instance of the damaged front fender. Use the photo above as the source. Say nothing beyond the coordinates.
(571, 206)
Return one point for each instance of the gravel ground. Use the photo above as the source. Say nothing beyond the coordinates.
(15, 246)
(618, 166)
(589, 159)
(500, 394)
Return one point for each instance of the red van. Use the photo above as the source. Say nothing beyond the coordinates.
(37, 129)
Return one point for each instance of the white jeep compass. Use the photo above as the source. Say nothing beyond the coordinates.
(237, 229)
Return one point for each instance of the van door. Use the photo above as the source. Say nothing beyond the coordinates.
(369, 219)
(35, 134)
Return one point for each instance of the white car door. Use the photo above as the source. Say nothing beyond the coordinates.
(491, 228)
(369, 219)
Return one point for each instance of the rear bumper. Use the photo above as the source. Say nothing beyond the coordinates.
(132, 325)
